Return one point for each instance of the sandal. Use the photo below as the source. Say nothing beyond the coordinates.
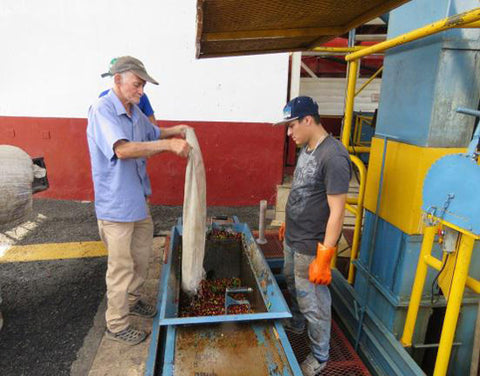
(143, 309)
(127, 336)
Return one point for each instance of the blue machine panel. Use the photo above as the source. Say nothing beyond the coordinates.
(451, 192)
(426, 80)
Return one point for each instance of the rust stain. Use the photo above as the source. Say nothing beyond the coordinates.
(227, 349)
(454, 20)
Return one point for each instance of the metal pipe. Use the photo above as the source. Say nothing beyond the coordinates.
(457, 20)
(359, 217)
(432, 262)
(261, 223)
(472, 25)
(351, 209)
(308, 70)
(435, 263)
(338, 49)
(352, 200)
(370, 37)
(433, 345)
(468, 111)
(472, 147)
(358, 149)
(365, 84)
(453, 306)
(347, 120)
(420, 276)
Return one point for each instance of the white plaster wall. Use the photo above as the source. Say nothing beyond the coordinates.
(53, 52)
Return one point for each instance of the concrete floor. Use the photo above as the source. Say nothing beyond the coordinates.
(113, 358)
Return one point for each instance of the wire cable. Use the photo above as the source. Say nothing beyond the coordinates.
(434, 300)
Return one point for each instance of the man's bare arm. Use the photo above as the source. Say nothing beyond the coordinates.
(334, 228)
(125, 149)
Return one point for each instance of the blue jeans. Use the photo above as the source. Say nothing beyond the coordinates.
(309, 302)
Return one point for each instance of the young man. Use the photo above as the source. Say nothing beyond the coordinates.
(314, 221)
(120, 138)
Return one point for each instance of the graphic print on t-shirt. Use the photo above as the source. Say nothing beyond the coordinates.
(303, 182)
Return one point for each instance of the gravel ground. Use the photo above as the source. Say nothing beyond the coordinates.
(72, 221)
(49, 306)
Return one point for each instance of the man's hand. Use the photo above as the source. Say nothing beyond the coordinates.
(177, 130)
(179, 147)
(281, 232)
(180, 130)
(319, 270)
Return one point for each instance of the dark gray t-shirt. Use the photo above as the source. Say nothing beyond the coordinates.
(325, 170)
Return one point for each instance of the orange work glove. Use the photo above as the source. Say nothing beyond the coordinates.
(281, 232)
(319, 270)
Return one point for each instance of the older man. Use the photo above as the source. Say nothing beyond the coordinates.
(120, 138)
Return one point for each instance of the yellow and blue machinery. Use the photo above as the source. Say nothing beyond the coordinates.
(451, 205)
(430, 69)
(424, 81)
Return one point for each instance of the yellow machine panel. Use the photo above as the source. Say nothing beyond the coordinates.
(405, 169)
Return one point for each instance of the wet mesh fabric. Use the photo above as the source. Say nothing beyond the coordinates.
(194, 218)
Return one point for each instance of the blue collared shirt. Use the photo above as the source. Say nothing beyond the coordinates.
(120, 185)
(143, 105)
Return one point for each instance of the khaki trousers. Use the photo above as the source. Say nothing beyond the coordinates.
(129, 246)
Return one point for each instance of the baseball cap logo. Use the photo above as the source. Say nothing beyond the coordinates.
(287, 112)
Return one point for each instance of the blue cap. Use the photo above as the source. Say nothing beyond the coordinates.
(298, 107)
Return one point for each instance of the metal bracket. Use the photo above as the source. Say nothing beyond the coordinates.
(229, 301)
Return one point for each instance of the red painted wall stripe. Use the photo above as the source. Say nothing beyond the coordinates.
(243, 161)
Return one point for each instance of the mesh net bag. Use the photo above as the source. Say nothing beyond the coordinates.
(194, 218)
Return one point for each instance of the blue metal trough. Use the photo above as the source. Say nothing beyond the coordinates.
(230, 344)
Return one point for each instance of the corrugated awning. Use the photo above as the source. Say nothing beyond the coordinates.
(245, 27)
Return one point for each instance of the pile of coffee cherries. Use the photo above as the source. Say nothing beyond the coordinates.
(210, 300)
(221, 234)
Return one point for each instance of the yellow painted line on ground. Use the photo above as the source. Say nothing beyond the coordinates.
(51, 251)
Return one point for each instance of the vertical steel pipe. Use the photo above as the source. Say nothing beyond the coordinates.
(453, 306)
(261, 222)
(359, 216)
(420, 276)
(348, 118)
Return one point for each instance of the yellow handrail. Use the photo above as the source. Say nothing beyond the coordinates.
(358, 216)
(357, 133)
(339, 50)
(365, 84)
(347, 120)
(460, 280)
(358, 149)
